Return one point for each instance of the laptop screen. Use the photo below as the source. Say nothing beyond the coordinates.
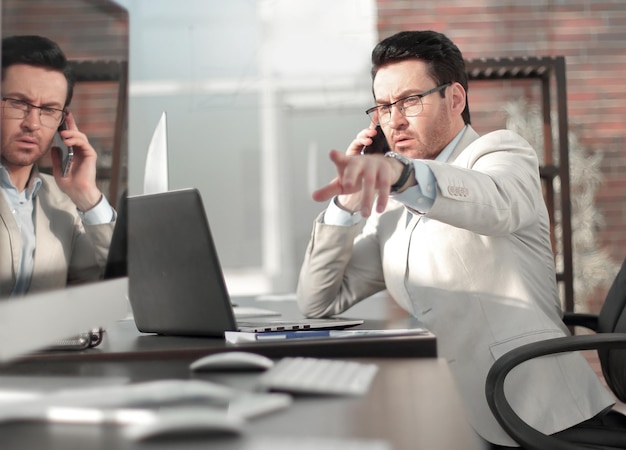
(176, 284)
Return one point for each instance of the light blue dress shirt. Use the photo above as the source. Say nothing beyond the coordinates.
(418, 198)
(22, 206)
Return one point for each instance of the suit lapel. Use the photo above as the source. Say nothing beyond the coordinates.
(12, 232)
(469, 136)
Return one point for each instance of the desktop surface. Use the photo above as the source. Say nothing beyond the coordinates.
(412, 403)
(123, 340)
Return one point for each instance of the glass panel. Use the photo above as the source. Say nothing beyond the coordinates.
(93, 34)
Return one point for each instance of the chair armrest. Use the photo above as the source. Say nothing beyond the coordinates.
(589, 321)
(519, 430)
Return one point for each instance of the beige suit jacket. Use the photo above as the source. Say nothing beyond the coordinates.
(66, 251)
(477, 270)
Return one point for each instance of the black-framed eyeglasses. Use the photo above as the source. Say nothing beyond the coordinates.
(410, 106)
(13, 108)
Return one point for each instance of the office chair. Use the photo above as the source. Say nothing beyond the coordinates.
(609, 341)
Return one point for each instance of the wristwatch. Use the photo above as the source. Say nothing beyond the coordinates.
(406, 171)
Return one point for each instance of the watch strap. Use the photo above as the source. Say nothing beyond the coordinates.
(406, 171)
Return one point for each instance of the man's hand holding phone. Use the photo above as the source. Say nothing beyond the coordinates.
(66, 152)
(379, 143)
(79, 180)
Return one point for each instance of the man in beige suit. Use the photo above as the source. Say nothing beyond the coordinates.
(54, 230)
(459, 237)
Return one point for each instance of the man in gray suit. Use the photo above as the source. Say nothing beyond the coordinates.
(458, 236)
(54, 230)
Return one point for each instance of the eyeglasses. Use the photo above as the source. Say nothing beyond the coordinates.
(13, 108)
(410, 106)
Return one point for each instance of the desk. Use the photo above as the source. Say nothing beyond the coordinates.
(412, 404)
(123, 340)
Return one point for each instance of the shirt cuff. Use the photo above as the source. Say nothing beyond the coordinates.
(334, 215)
(99, 214)
(421, 196)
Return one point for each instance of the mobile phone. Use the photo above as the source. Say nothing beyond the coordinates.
(379, 144)
(66, 151)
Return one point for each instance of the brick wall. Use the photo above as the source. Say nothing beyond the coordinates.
(589, 33)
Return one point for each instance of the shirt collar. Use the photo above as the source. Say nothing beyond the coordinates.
(34, 181)
(448, 149)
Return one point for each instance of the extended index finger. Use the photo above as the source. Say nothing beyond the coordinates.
(334, 187)
(327, 192)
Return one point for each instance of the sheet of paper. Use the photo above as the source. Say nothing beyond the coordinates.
(156, 175)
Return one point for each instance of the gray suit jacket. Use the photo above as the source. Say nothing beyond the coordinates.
(477, 270)
(66, 251)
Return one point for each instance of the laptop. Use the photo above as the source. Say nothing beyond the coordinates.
(116, 265)
(176, 283)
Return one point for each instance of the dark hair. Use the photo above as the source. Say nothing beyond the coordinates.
(37, 51)
(443, 58)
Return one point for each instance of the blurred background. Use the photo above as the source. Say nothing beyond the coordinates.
(258, 91)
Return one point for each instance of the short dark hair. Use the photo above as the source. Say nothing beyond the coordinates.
(37, 51)
(443, 58)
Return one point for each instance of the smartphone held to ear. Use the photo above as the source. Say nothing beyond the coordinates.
(378, 145)
(65, 152)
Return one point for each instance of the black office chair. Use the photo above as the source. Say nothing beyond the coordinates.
(609, 341)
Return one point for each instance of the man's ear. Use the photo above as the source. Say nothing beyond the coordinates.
(458, 98)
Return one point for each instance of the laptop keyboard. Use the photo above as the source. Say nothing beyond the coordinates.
(300, 375)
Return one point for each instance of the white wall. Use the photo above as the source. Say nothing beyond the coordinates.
(256, 93)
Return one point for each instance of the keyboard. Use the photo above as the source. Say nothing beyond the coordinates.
(300, 375)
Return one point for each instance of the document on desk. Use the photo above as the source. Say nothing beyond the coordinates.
(238, 337)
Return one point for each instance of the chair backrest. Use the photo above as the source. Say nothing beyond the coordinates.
(612, 319)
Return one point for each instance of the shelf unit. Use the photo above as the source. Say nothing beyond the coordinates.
(550, 72)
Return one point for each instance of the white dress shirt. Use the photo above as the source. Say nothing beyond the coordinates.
(22, 206)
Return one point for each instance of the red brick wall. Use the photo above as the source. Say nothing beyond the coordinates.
(589, 33)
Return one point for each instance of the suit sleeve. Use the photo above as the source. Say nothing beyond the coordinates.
(493, 188)
(89, 252)
(342, 265)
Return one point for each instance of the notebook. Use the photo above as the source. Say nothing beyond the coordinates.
(176, 283)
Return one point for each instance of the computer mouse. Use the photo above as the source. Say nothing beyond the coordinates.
(232, 361)
(184, 422)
